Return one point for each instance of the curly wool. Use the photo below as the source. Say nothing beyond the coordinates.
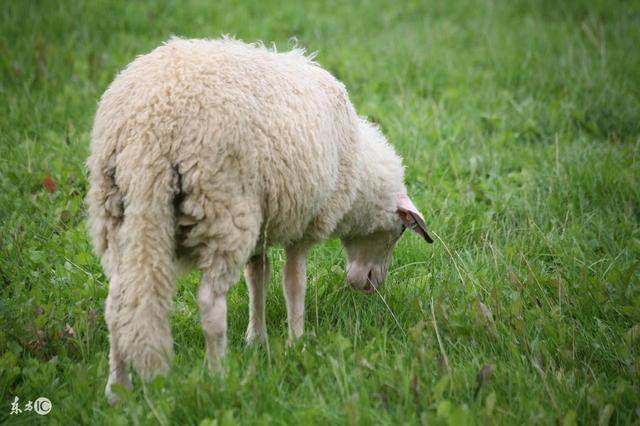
(210, 150)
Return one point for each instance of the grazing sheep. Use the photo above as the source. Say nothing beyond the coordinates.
(211, 150)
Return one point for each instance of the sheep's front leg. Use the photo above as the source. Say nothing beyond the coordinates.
(256, 274)
(295, 283)
(212, 301)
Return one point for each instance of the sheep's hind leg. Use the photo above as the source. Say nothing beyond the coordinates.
(117, 364)
(256, 274)
(221, 262)
(212, 300)
(117, 371)
(295, 283)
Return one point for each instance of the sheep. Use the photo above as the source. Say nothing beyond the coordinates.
(205, 153)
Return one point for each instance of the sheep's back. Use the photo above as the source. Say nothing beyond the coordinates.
(238, 122)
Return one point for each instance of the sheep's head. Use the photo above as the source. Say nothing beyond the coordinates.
(369, 256)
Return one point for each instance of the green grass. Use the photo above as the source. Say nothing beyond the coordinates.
(519, 123)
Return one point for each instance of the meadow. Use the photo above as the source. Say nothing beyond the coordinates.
(519, 124)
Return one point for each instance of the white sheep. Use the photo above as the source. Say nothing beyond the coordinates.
(212, 150)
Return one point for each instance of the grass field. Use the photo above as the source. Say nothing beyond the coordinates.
(519, 123)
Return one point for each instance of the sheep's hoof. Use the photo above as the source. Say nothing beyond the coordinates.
(112, 397)
(295, 340)
(255, 338)
(216, 367)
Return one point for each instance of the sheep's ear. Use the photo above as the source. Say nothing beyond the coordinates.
(411, 217)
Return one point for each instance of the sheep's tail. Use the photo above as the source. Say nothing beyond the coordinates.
(147, 243)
